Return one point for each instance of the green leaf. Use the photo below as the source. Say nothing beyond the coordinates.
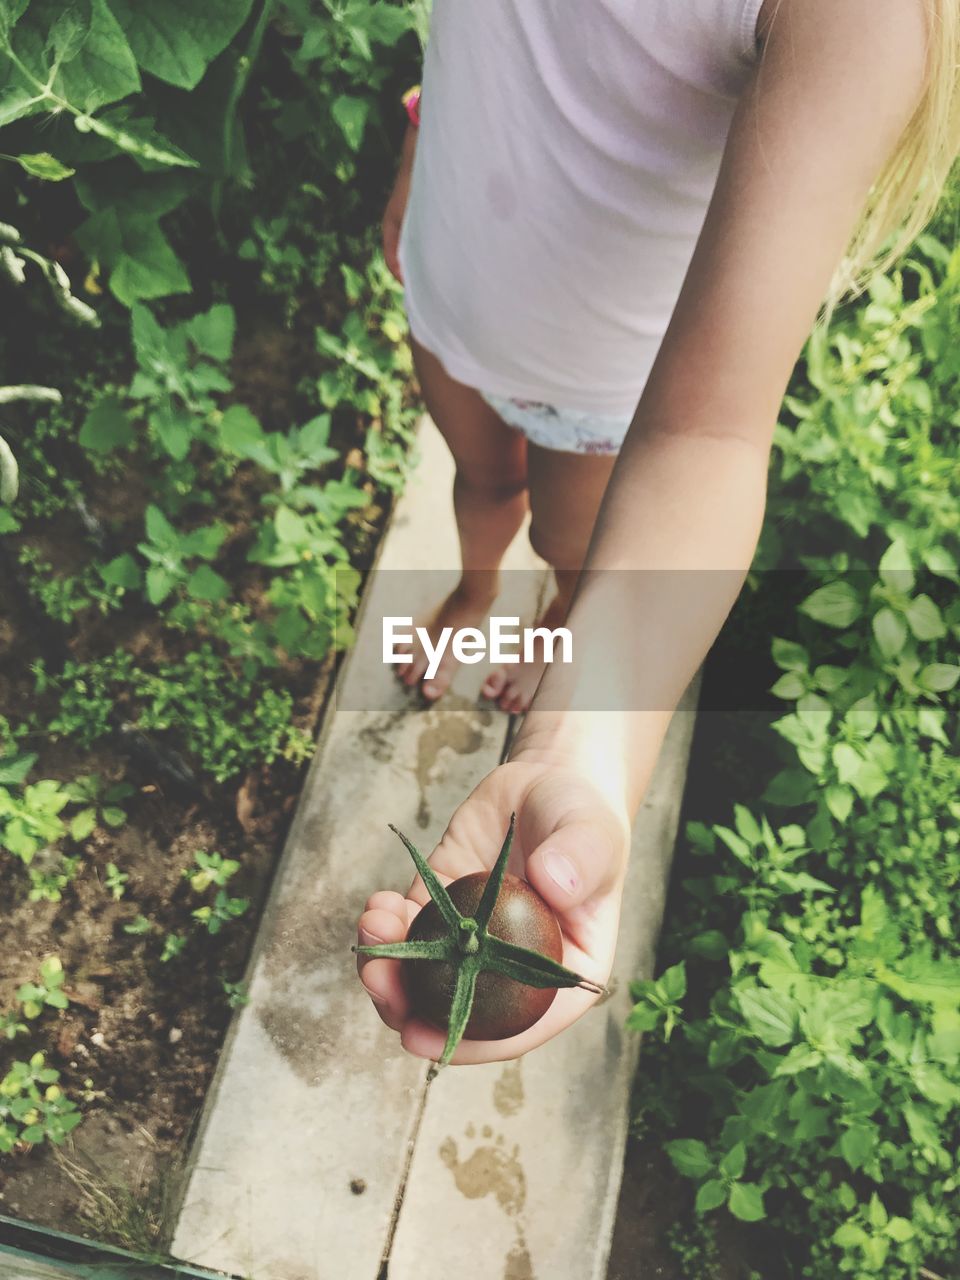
(174, 429)
(849, 1235)
(148, 266)
(790, 656)
(734, 1162)
(790, 685)
(839, 1012)
(41, 164)
(771, 1017)
(205, 541)
(746, 1202)
(160, 582)
(839, 802)
(673, 982)
(895, 568)
(939, 677)
(930, 722)
(350, 113)
(83, 824)
(106, 427)
(925, 620)
(876, 1213)
(137, 139)
(212, 332)
(113, 816)
(291, 527)
(847, 760)
(711, 1195)
(240, 431)
(890, 632)
(789, 787)
(690, 1157)
(206, 584)
(15, 768)
(123, 571)
(835, 605)
(100, 67)
(176, 40)
(900, 1229)
(711, 945)
(858, 1144)
(935, 1086)
(940, 561)
(159, 529)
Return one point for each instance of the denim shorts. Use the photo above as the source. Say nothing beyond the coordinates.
(566, 430)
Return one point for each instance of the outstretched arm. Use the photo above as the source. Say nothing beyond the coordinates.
(836, 86)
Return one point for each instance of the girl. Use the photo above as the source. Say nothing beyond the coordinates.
(616, 225)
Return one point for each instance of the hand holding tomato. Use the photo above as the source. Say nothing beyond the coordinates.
(570, 844)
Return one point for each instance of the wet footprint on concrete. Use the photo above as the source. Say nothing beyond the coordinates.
(490, 1169)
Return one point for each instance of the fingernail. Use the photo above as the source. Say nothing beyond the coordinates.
(561, 871)
(369, 939)
(377, 1000)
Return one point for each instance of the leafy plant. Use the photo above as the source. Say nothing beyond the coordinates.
(213, 916)
(821, 1044)
(211, 868)
(33, 1107)
(47, 992)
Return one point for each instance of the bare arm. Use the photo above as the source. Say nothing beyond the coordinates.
(835, 88)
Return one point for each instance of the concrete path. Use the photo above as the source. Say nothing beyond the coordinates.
(321, 1155)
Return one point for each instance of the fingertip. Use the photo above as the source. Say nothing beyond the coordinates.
(387, 900)
(381, 924)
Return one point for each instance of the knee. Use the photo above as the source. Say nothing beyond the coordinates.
(491, 485)
(560, 551)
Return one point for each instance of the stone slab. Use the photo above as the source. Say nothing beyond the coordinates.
(303, 1147)
(313, 1096)
(517, 1167)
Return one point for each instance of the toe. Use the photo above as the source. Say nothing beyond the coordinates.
(494, 684)
(416, 671)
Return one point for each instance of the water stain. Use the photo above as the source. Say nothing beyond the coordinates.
(519, 1263)
(379, 737)
(490, 1170)
(455, 724)
(508, 1090)
(313, 994)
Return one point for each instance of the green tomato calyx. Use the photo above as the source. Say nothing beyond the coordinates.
(471, 949)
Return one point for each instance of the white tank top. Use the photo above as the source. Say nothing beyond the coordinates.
(567, 154)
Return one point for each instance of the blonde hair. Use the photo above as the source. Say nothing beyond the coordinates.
(908, 191)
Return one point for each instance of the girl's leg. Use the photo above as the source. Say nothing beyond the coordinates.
(566, 490)
(489, 499)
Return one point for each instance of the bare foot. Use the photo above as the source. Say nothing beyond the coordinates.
(512, 688)
(462, 608)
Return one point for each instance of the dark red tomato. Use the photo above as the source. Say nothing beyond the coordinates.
(502, 1007)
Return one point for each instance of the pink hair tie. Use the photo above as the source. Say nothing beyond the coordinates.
(411, 101)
